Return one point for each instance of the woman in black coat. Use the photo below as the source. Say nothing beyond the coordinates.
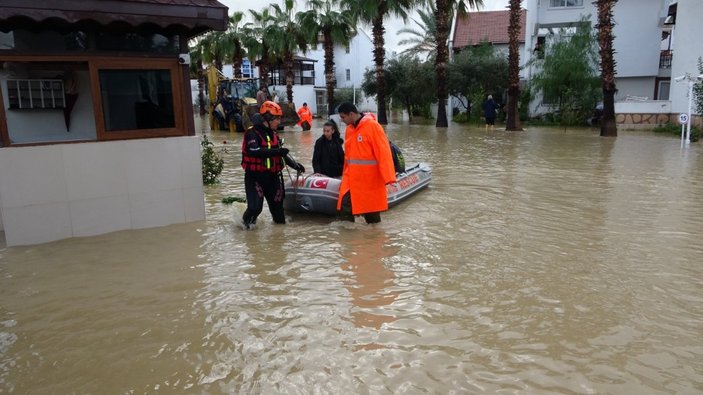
(328, 157)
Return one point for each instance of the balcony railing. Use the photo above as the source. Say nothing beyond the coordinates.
(665, 59)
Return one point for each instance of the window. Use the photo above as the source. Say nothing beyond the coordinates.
(565, 3)
(45, 41)
(134, 42)
(246, 69)
(136, 99)
(348, 75)
(48, 101)
(51, 102)
(347, 48)
(540, 46)
(663, 91)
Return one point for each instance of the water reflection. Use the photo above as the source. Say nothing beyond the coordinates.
(370, 282)
(537, 262)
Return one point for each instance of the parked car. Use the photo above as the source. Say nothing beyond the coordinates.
(597, 114)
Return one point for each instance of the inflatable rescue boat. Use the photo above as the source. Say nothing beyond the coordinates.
(318, 194)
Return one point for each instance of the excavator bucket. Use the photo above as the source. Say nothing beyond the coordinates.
(289, 118)
(241, 93)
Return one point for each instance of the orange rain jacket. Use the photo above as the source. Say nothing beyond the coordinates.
(368, 166)
(305, 115)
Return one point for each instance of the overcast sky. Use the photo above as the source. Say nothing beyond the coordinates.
(391, 26)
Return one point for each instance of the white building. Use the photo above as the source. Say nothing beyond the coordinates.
(350, 63)
(687, 30)
(645, 46)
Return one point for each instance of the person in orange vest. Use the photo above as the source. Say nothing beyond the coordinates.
(263, 159)
(368, 166)
(305, 117)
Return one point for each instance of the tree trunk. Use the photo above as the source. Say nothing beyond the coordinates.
(608, 127)
(218, 61)
(288, 64)
(237, 60)
(328, 44)
(201, 85)
(379, 54)
(513, 120)
(264, 66)
(441, 61)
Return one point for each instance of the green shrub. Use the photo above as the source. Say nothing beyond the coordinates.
(670, 128)
(212, 162)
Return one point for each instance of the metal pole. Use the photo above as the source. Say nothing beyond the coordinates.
(690, 102)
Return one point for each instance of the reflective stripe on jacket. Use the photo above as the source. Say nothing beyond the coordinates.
(272, 164)
(368, 166)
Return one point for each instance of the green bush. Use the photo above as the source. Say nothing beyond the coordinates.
(212, 162)
(347, 94)
(670, 128)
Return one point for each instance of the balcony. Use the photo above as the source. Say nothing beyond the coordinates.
(665, 59)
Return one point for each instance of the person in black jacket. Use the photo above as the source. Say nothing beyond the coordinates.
(263, 160)
(328, 157)
(490, 110)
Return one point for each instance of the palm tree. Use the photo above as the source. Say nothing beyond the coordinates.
(286, 37)
(196, 71)
(423, 39)
(444, 9)
(608, 127)
(373, 12)
(215, 45)
(513, 121)
(255, 42)
(336, 26)
(235, 35)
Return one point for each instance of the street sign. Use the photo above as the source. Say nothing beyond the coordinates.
(683, 118)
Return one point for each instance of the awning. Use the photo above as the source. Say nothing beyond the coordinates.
(188, 17)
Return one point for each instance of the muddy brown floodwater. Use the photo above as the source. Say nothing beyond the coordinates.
(540, 262)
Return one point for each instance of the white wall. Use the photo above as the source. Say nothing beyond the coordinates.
(548, 15)
(359, 58)
(637, 37)
(643, 107)
(637, 31)
(69, 190)
(687, 49)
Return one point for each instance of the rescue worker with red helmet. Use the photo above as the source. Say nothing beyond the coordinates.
(263, 159)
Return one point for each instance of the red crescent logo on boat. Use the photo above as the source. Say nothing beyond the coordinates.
(319, 183)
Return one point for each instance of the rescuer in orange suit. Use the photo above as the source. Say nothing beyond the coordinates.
(305, 117)
(368, 166)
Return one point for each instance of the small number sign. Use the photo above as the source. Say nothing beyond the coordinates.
(683, 118)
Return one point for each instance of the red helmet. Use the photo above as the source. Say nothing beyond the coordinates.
(271, 108)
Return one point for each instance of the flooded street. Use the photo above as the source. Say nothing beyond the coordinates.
(539, 262)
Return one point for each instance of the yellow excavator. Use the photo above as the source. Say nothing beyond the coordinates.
(233, 103)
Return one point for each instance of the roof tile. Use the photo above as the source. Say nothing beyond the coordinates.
(488, 26)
